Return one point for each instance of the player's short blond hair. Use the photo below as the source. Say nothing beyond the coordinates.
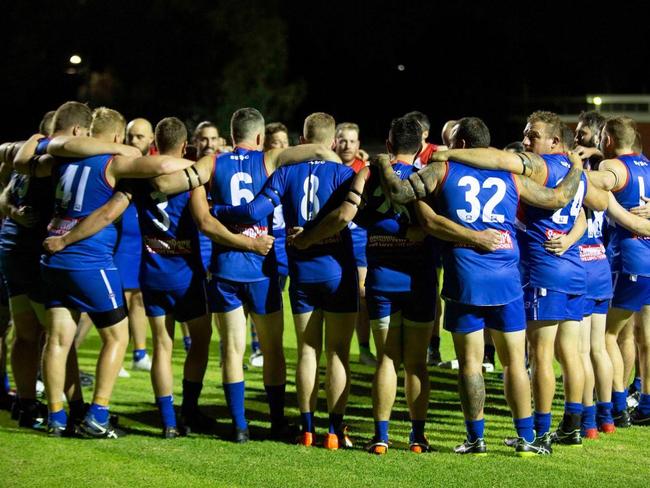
(347, 126)
(107, 121)
(552, 121)
(622, 130)
(319, 128)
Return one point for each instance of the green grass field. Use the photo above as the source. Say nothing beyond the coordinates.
(29, 458)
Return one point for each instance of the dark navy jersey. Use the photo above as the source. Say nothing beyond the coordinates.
(395, 263)
(172, 251)
(129, 240)
(480, 200)
(593, 255)
(634, 249)
(564, 273)
(237, 177)
(81, 188)
(36, 193)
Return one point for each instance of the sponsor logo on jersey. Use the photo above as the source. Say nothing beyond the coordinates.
(592, 252)
(553, 233)
(167, 247)
(254, 231)
(60, 225)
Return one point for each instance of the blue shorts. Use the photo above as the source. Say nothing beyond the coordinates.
(631, 292)
(183, 304)
(419, 306)
(595, 306)
(465, 319)
(22, 275)
(128, 265)
(339, 295)
(260, 297)
(544, 304)
(88, 290)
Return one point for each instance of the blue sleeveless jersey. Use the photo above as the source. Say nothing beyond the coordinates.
(172, 251)
(395, 263)
(304, 190)
(594, 256)
(237, 177)
(564, 273)
(480, 200)
(81, 188)
(129, 237)
(31, 192)
(634, 249)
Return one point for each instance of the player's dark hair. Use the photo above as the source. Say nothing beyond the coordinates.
(568, 137)
(473, 131)
(170, 134)
(70, 114)
(245, 123)
(405, 135)
(592, 119)
(421, 118)
(274, 127)
(206, 124)
(516, 146)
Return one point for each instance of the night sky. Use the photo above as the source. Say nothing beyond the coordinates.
(203, 59)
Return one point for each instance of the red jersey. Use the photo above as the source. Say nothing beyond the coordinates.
(357, 164)
(423, 158)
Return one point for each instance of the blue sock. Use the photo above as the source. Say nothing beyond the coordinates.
(98, 412)
(588, 417)
(604, 413)
(619, 399)
(636, 384)
(187, 343)
(138, 354)
(5, 383)
(644, 404)
(307, 421)
(235, 400)
(474, 429)
(255, 343)
(417, 428)
(59, 417)
(573, 408)
(524, 428)
(275, 396)
(336, 419)
(166, 408)
(542, 423)
(191, 393)
(381, 430)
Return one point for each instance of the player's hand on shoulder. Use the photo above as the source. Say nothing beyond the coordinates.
(586, 152)
(361, 154)
(54, 244)
(380, 160)
(296, 238)
(488, 240)
(642, 210)
(575, 159)
(262, 245)
(128, 151)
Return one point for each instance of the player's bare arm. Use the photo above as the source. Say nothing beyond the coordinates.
(611, 175)
(84, 147)
(91, 225)
(196, 175)
(537, 195)
(25, 216)
(218, 233)
(445, 229)
(560, 243)
(417, 186)
(275, 158)
(526, 163)
(634, 223)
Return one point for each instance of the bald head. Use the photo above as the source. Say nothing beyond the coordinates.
(139, 133)
(446, 132)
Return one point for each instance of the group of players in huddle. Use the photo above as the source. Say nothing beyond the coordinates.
(542, 246)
